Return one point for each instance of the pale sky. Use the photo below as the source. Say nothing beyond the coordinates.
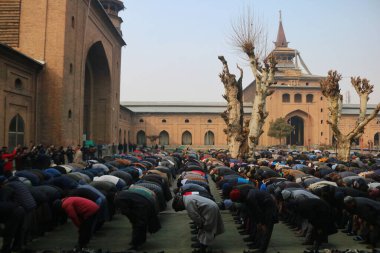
(173, 45)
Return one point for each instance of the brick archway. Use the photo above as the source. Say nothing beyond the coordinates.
(96, 96)
(301, 121)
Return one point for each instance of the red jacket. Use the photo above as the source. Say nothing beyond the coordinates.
(79, 209)
(8, 158)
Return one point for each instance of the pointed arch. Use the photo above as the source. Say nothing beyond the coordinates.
(97, 109)
(187, 138)
(16, 132)
(297, 135)
(376, 139)
(141, 138)
(163, 138)
(209, 138)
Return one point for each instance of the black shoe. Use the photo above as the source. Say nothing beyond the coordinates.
(193, 226)
(134, 248)
(241, 227)
(243, 233)
(248, 239)
(307, 243)
(194, 232)
(197, 245)
(256, 251)
(253, 246)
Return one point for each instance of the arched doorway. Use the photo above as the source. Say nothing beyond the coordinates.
(376, 139)
(209, 138)
(141, 138)
(16, 132)
(164, 138)
(297, 135)
(187, 138)
(96, 97)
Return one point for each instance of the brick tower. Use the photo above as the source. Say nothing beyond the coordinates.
(112, 7)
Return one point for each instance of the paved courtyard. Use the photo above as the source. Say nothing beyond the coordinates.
(174, 237)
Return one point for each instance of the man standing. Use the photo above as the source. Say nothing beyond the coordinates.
(8, 161)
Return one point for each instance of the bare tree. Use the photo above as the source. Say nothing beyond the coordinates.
(330, 89)
(250, 37)
(233, 116)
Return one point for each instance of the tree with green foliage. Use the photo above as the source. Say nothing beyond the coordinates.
(280, 129)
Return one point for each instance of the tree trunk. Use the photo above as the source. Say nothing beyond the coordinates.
(343, 149)
(233, 116)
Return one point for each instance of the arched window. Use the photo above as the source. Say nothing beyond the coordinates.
(69, 114)
(141, 120)
(309, 98)
(187, 121)
(285, 98)
(141, 138)
(119, 135)
(209, 138)
(209, 121)
(18, 84)
(164, 121)
(187, 138)
(376, 139)
(298, 98)
(16, 132)
(125, 136)
(164, 138)
(355, 142)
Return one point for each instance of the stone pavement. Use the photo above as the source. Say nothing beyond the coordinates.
(174, 237)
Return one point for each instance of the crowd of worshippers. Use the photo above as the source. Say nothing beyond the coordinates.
(34, 201)
(312, 193)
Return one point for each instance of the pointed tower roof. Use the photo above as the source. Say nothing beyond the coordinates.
(281, 39)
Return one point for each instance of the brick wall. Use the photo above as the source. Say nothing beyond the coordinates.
(10, 22)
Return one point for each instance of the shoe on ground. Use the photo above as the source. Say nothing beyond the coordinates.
(256, 251)
(193, 226)
(248, 239)
(194, 239)
(357, 238)
(198, 245)
(134, 248)
(307, 243)
(194, 232)
(253, 246)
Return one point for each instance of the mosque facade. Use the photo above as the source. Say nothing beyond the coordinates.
(297, 98)
(60, 84)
